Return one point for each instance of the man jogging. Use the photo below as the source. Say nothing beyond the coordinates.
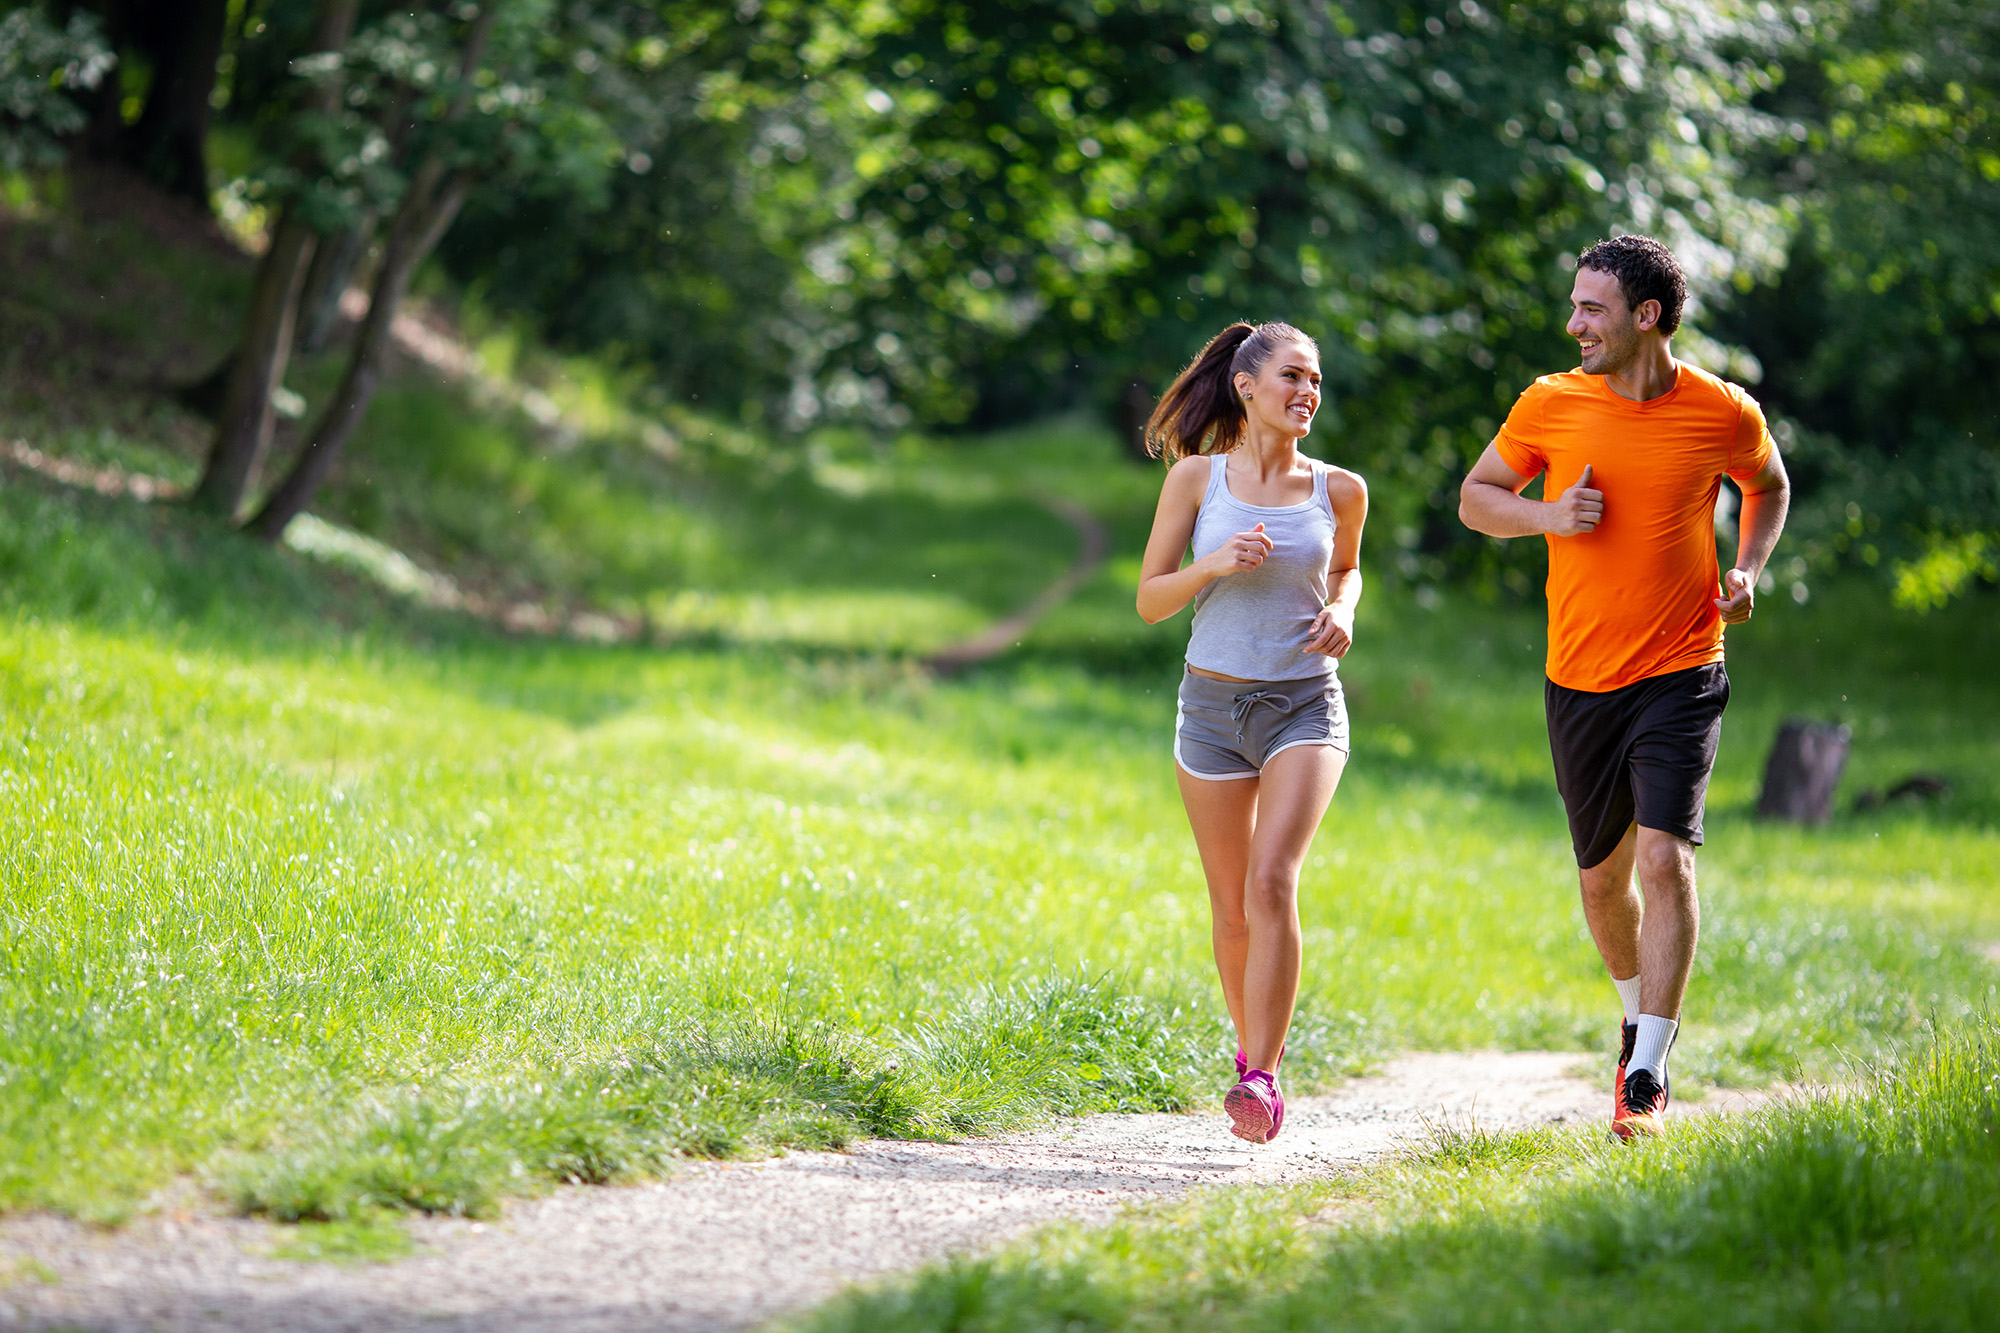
(1634, 446)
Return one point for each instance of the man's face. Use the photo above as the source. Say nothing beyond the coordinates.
(1605, 328)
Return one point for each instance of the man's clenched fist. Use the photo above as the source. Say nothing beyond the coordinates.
(1739, 597)
(1578, 510)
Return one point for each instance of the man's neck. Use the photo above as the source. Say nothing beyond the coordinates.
(1652, 373)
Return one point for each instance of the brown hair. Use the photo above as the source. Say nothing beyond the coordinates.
(1646, 271)
(1200, 412)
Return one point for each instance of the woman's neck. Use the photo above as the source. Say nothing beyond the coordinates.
(1267, 453)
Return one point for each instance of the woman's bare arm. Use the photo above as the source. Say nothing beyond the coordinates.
(1164, 586)
(1332, 630)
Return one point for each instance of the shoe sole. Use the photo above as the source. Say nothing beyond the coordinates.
(1650, 1126)
(1250, 1118)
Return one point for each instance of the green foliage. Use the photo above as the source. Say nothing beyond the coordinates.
(1110, 184)
(40, 63)
(1882, 333)
(1945, 570)
(945, 213)
(1867, 1209)
(529, 116)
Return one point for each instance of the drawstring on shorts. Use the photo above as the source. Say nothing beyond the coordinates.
(1242, 706)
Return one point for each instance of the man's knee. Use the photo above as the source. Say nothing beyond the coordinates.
(1666, 863)
(1602, 886)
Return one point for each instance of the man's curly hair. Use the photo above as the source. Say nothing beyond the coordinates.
(1646, 271)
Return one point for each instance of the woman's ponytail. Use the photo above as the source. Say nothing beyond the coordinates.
(1200, 408)
(1200, 412)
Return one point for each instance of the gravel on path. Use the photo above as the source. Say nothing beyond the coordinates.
(725, 1246)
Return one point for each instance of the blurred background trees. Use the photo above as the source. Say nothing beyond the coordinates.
(955, 214)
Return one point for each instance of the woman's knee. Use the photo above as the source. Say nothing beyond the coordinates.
(1271, 891)
(1232, 923)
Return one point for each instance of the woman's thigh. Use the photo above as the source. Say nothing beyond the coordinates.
(1294, 792)
(1222, 815)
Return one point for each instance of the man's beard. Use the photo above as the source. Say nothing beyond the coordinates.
(1615, 352)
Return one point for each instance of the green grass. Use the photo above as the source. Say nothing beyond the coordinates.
(1877, 1209)
(346, 908)
(342, 907)
(372, 1239)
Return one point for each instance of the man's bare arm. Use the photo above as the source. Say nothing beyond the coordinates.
(1767, 498)
(1490, 502)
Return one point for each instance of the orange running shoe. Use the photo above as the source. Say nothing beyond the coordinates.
(1628, 1033)
(1642, 1110)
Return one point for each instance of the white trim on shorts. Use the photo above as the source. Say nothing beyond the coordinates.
(1327, 741)
(1180, 712)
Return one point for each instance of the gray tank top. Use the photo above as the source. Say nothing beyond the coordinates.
(1255, 624)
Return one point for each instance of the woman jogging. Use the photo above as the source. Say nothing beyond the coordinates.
(1262, 732)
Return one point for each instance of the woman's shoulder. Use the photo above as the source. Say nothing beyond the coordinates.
(1189, 474)
(1343, 485)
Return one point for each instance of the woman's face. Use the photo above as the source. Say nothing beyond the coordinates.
(1284, 393)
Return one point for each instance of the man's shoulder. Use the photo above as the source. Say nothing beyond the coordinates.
(1560, 384)
(1704, 386)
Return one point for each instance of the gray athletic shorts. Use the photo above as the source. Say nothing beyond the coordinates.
(1230, 729)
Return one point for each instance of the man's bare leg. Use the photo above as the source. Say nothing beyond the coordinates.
(1646, 928)
(1612, 907)
(1673, 921)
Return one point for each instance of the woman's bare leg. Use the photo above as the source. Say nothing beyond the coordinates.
(1253, 844)
(1223, 815)
(1296, 788)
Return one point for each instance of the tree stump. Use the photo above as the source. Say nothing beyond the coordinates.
(1804, 768)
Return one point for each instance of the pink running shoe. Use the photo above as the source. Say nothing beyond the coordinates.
(1253, 1107)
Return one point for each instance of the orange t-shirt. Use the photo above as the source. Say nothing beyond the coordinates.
(1635, 598)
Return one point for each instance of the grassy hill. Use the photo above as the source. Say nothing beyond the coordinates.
(338, 904)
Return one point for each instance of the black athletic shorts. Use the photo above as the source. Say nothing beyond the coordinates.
(1641, 753)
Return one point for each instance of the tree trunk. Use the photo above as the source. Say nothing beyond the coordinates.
(428, 209)
(243, 430)
(429, 204)
(183, 39)
(1803, 771)
(243, 427)
(327, 280)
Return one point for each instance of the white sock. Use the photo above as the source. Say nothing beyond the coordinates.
(1628, 993)
(1656, 1034)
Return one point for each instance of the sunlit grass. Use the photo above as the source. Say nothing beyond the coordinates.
(1869, 1209)
(347, 908)
(342, 907)
(377, 1238)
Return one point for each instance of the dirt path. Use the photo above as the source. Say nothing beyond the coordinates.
(728, 1246)
(1004, 634)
